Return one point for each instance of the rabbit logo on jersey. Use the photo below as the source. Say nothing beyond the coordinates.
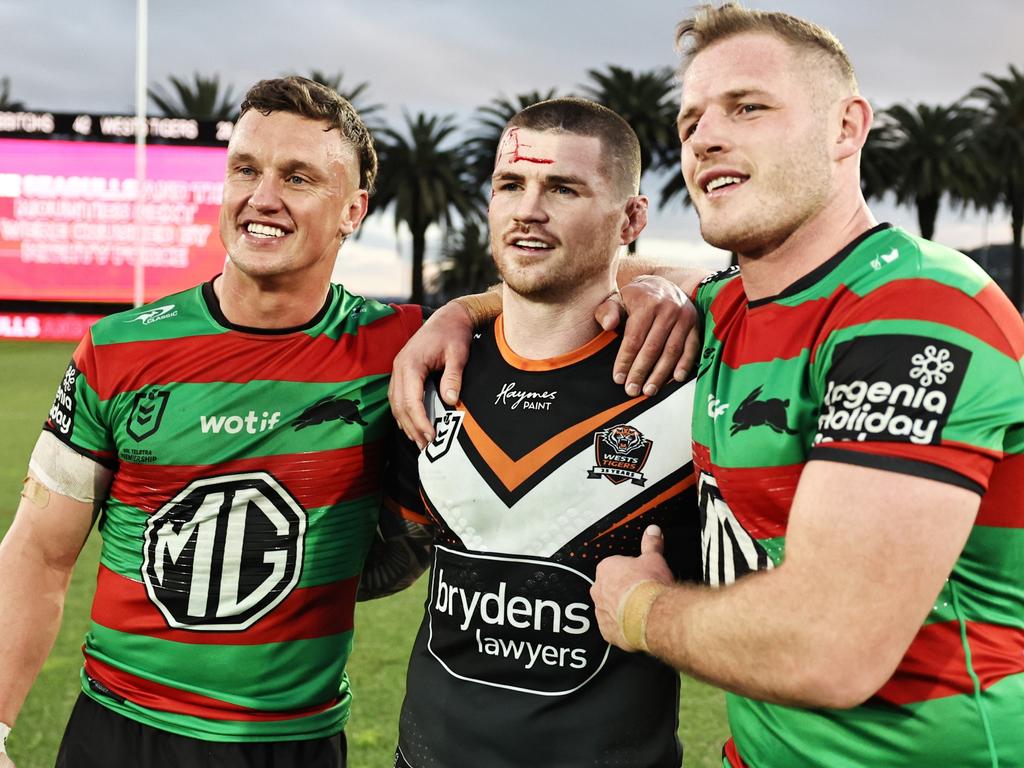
(891, 388)
(522, 624)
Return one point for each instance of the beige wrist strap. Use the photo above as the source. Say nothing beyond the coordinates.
(481, 307)
(635, 609)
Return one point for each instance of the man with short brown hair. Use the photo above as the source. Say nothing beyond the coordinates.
(859, 443)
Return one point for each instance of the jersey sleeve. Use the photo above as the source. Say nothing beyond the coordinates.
(913, 394)
(78, 416)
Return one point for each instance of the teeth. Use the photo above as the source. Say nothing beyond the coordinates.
(531, 244)
(721, 181)
(262, 230)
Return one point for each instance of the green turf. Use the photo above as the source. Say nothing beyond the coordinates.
(385, 627)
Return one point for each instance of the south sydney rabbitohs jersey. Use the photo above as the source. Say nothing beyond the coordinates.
(541, 470)
(900, 355)
(247, 483)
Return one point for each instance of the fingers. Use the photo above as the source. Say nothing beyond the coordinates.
(405, 391)
(691, 353)
(668, 360)
(451, 380)
(653, 541)
(609, 313)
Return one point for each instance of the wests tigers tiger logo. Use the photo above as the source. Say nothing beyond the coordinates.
(621, 453)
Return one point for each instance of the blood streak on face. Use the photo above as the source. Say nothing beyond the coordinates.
(510, 147)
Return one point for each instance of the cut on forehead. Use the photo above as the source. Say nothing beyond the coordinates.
(710, 25)
(581, 117)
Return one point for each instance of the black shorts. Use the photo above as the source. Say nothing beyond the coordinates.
(97, 737)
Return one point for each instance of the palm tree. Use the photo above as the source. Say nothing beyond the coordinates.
(466, 262)
(6, 102)
(1001, 142)
(493, 117)
(201, 99)
(648, 102)
(424, 181)
(354, 94)
(933, 158)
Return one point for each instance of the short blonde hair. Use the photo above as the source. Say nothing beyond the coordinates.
(711, 24)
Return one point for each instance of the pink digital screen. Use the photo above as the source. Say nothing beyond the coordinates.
(73, 221)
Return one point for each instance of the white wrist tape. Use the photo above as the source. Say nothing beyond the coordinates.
(5, 731)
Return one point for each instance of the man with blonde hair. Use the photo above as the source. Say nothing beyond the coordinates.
(860, 457)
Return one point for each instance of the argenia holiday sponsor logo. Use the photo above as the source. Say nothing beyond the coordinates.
(891, 388)
(516, 623)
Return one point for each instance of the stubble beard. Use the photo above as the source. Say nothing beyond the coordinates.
(790, 193)
(556, 280)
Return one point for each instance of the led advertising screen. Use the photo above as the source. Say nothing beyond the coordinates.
(73, 219)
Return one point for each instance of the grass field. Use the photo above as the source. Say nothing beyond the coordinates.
(385, 627)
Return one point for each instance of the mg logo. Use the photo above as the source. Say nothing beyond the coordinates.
(224, 552)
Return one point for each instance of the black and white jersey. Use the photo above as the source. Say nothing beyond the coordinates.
(542, 469)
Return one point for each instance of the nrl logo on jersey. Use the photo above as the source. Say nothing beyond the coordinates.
(621, 452)
(446, 429)
(147, 413)
(152, 315)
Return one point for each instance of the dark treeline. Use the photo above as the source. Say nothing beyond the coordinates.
(435, 171)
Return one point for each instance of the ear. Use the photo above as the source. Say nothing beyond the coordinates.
(635, 219)
(855, 117)
(353, 213)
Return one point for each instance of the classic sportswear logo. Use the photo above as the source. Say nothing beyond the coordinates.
(152, 315)
(252, 423)
(884, 258)
(516, 623)
(892, 388)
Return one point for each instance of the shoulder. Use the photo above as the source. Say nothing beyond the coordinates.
(168, 317)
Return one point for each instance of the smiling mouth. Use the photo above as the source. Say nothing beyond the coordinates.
(532, 245)
(722, 182)
(263, 231)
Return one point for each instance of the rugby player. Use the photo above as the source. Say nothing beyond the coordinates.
(859, 441)
(541, 468)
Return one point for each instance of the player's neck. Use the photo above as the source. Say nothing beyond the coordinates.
(278, 303)
(539, 330)
(771, 270)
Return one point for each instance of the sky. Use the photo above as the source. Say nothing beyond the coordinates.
(451, 56)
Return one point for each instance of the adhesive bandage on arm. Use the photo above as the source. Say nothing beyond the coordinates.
(635, 609)
(61, 469)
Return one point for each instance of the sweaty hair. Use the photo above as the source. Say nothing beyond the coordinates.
(308, 98)
(711, 24)
(588, 118)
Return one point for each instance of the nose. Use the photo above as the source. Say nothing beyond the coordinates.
(267, 194)
(708, 136)
(530, 206)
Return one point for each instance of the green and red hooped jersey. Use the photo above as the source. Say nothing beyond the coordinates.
(247, 481)
(903, 355)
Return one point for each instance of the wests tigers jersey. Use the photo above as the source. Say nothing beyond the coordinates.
(541, 470)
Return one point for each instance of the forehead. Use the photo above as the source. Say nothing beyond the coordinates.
(283, 137)
(528, 152)
(748, 61)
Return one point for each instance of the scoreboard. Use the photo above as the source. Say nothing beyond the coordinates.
(74, 219)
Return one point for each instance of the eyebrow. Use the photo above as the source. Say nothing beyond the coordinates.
(558, 180)
(289, 167)
(736, 94)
